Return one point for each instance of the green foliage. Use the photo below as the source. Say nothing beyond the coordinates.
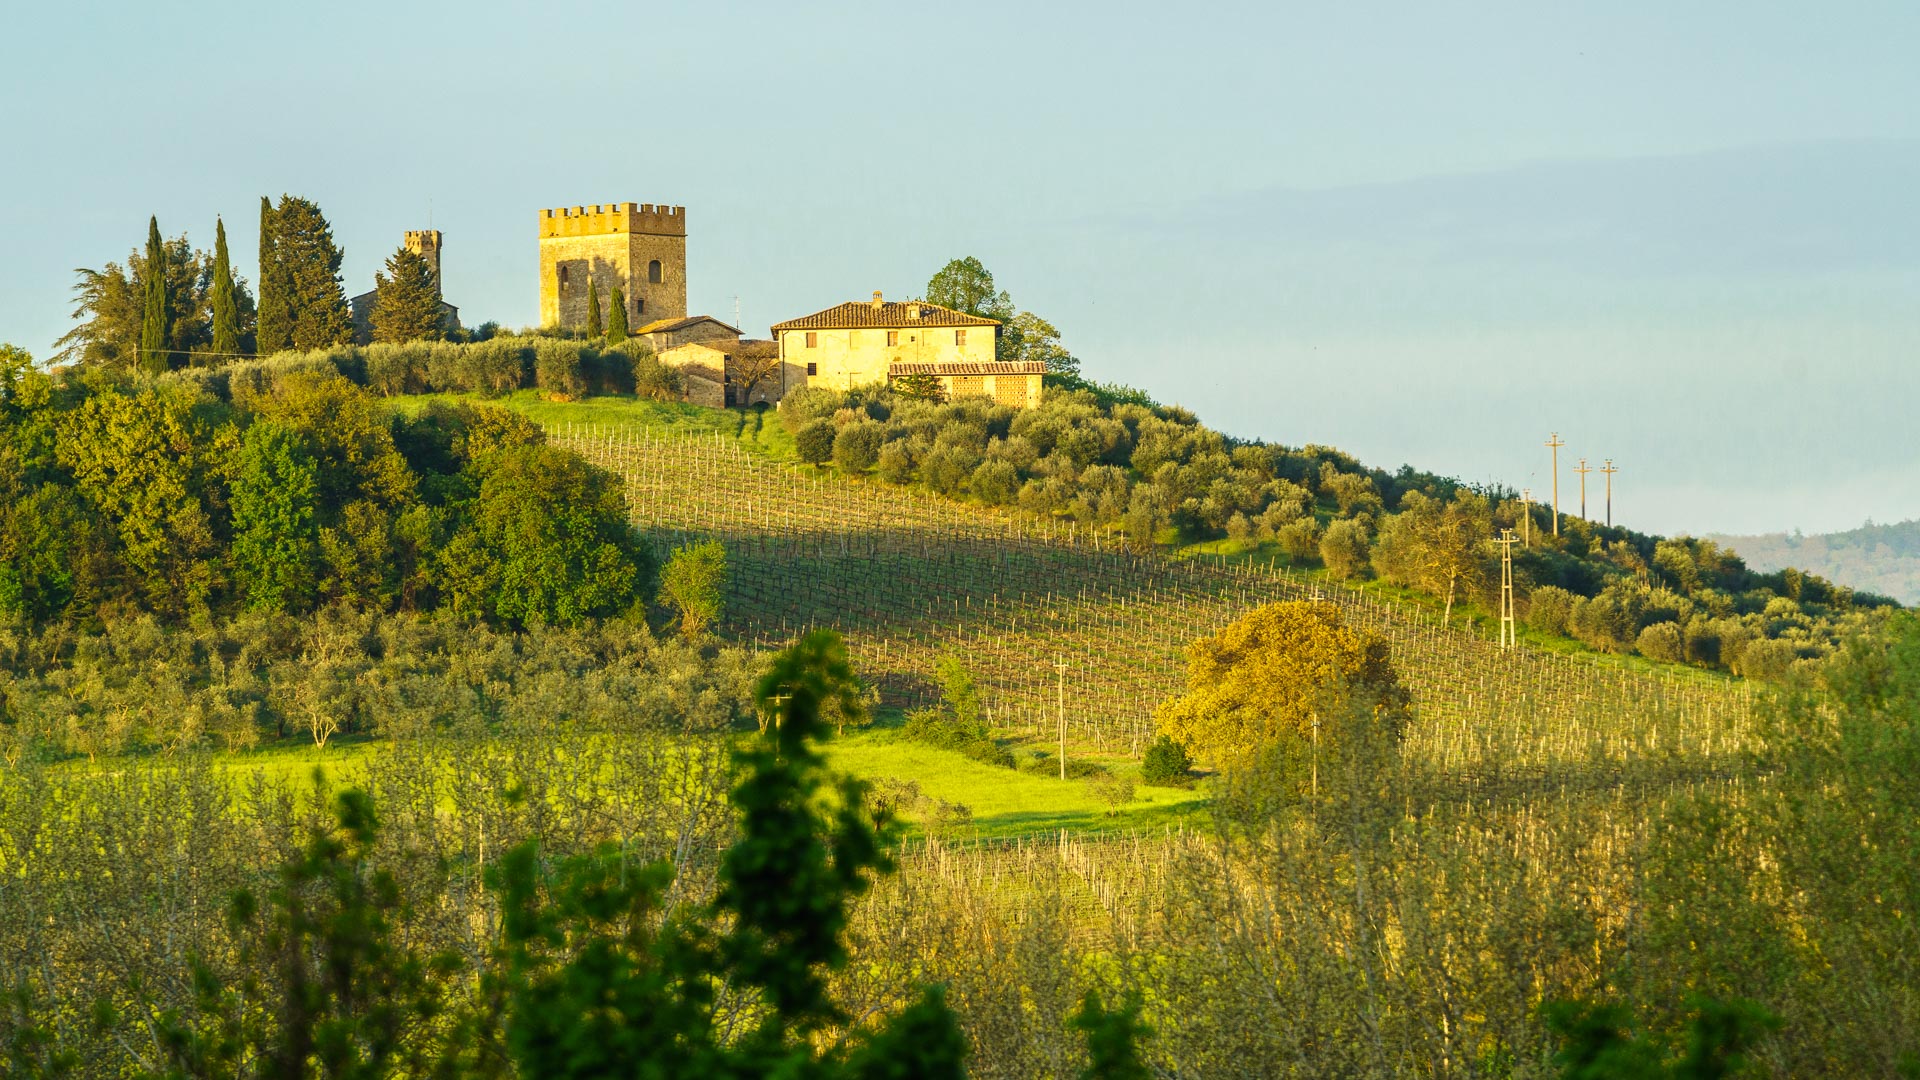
(406, 300)
(154, 355)
(593, 309)
(1166, 763)
(1113, 1039)
(966, 285)
(306, 263)
(1597, 1043)
(856, 447)
(814, 442)
(275, 327)
(920, 387)
(557, 369)
(693, 584)
(617, 319)
(223, 297)
(1343, 549)
(960, 722)
(276, 536)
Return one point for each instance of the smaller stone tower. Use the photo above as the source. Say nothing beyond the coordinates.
(641, 248)
(426, 244)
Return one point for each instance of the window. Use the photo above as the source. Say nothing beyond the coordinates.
(653, 271)
(960, 337)
(639, 304)
(893, 337)
(813, 369)
(813, 340)
(563, 277)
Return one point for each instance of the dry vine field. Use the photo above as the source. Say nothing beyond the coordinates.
(908, 576)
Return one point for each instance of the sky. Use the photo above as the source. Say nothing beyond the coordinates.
(1685, 237)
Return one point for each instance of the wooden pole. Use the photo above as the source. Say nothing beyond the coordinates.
(1060, 669)
(1607, 471)
(1554, 443)
(1583, 470)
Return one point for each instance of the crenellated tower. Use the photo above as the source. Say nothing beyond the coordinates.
(640, 247)
(426, 244)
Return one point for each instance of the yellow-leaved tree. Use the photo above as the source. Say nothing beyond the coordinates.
(1263, 676)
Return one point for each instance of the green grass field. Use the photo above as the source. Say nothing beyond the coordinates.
(758, 431)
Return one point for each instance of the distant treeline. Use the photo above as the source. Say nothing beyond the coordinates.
(1884, 558)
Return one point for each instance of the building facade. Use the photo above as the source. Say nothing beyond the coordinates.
(640, 248)
(856, 343)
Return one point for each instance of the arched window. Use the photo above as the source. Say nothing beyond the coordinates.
(653, 271)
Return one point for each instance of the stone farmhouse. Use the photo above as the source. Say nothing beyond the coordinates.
(642, 250)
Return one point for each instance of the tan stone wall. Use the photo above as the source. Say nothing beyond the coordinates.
(612, 245)
(702, 368)
(849, 358)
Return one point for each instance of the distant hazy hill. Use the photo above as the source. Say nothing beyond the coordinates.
(1877, 558)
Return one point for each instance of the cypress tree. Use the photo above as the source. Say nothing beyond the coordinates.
(153, 326)
(226, 309)
(273, 324)
(406, 299)
(309, 265)
(593, 308)
(617, 318)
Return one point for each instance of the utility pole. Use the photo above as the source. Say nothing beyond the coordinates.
(1508, 636)
(1583, 470)
(1060, 669)
(1554, 443)
(1526, 523)
(1608, 472)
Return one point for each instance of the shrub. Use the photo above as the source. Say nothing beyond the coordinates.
(1549, 609)
(654, 380)
(1661, 641)
(556, 368)
(896, 462)
(947, 467)
(1300, 538)
(809, 403)
(1114, 790)
(997, 482)
(1166, 764)
(396, 369)
(815, 442)
(857, 447)
(1344, 549)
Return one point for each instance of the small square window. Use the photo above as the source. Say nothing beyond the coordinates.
(893, 337)
(959, 337)
(813, 339)
(639, 304)
(813, 369)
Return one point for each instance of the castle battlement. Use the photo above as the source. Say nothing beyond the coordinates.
(646, 219)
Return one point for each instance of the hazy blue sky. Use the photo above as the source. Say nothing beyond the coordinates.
(1685, 236)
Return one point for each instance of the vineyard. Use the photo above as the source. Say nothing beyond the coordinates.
(1043, 612)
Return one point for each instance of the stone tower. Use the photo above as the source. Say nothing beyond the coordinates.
(426, 244)
(640, 248)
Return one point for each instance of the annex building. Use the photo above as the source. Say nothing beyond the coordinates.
(859, 343)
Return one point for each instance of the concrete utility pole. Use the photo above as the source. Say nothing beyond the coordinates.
(1554, 443)
(1608, 472)
(1060, 669)
(1583, 470)
(1508, 635)
(1526, 523)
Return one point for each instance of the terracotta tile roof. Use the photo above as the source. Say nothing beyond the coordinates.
(961, 367)
(664, 326)
(891, 315)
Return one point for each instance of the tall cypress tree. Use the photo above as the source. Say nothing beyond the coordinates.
(617, 318)
(593, 308)
(406, 300)
(153, 326)
(309, 264)
(226, 308)
(273, 325)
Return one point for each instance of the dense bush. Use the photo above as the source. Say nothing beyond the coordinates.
(856, 447)
(1166, 763)
(814, 442)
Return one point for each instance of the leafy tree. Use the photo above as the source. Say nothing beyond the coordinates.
(275, 327)
(275, 529)
(1436, 545)
(593, 308)
(1165, 762)
(1261, 677)
(815, 442)
(966, 285)
(616, 317)
(1343, 548)
(307, 263)
(750, 367)
(406, 303)
(225, 302)
(920, 387)
(693, 584)
(550, 541)
(1597, 1041)
(557, 369)
(857, 446)
(154, 355)
(1035, 340)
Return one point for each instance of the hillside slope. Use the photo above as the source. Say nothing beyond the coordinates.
(909, 577)
(1884, 559)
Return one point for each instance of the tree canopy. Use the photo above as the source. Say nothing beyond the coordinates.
(406, 300)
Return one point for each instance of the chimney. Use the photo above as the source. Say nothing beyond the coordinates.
(876, 299)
